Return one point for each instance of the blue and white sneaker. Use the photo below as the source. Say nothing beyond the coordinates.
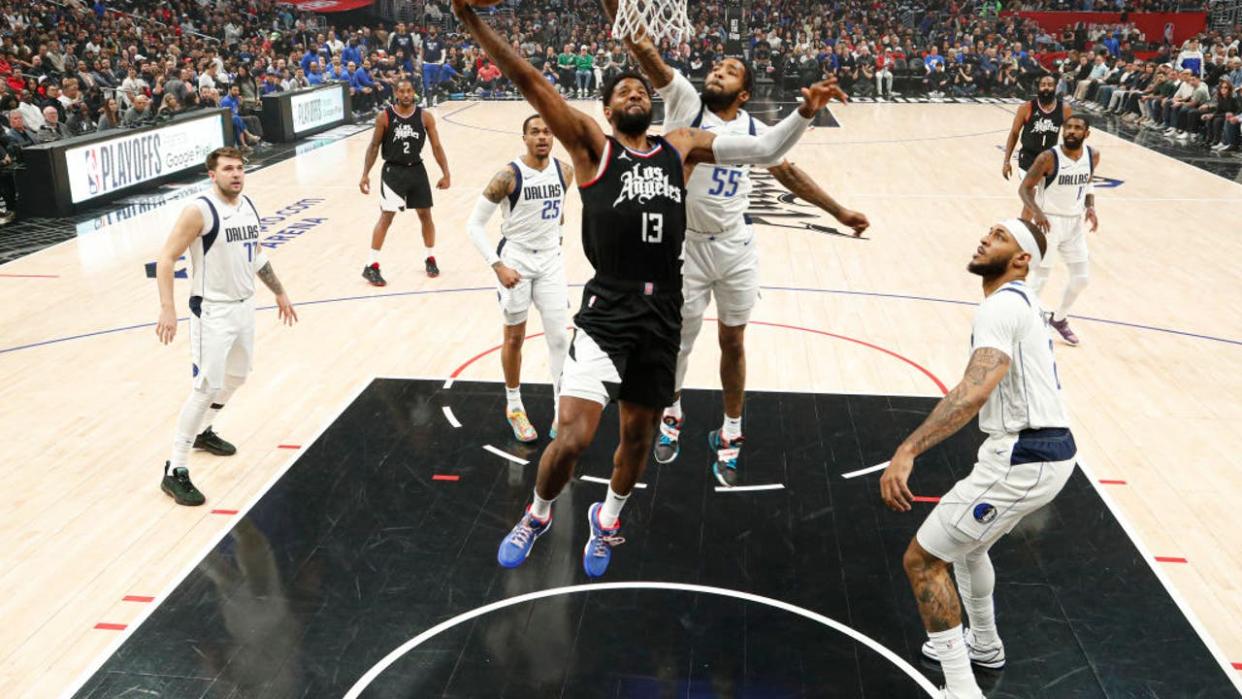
(667, 446)
(724, 468)
(516, 546)
(598, 550)
(552, 431)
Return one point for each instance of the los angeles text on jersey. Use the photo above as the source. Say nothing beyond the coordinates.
(115, 165)
(1042, 125)
(645, 182)
(404, 131)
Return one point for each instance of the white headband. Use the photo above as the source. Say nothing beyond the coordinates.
(1026, 241)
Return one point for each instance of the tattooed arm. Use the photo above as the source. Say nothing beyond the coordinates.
(986, 369)
(283, 304)
(797, 181)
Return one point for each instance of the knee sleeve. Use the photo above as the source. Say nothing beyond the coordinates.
(690, 326)
(231, 384)
(1037, 278)
(1079, 276)
(558, 345)
(975, 575)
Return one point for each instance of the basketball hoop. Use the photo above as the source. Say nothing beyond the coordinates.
(657, 19)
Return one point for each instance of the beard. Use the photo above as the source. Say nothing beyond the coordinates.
(1046, 96)
(716, 100)
(1073, 143)
(633, 124)
(989, 268)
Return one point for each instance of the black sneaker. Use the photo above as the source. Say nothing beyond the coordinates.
(432, 270)
(178, 486)
(210, 441)
(371, 273)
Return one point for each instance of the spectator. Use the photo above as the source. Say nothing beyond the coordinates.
(169, 107)
(109, 115)
(1191, 58)
(567, 66)
(32, 112)
(141, 113)
(79, 121)
(1212, 118)
(1182, 111)
(53, 128)
(1099, 71)
(584, 71)
(18, 136)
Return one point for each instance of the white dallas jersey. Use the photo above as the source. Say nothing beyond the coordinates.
(226, 254)
(717, 196)
(1063, 192)
(532, 213)
(1010, 320)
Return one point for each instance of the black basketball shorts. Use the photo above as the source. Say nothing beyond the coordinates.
(404, 187)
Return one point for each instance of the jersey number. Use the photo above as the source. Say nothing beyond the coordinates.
(551, 209)
(406, 146)
(723, 177)
(250, 248)
(653, 227)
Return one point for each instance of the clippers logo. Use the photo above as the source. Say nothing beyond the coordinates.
(405, 132)
(644, 183)
(984, 513)
(1044, 126)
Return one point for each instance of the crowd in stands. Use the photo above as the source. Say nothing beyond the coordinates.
(70, 67)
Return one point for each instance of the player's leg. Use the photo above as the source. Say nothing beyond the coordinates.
(941, 613)
(550, 294)
(210, 342)
(737, 292)
(1072, 245)
(637, 430)
(584, 392)
(514, 307)
(696, 292)
(239, 318)
(391, 200)
(1038, 277)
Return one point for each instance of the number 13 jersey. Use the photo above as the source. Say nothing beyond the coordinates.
(634, 214)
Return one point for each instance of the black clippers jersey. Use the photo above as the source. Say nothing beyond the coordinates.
(404, 138)
(1040, 132)
(634, 214)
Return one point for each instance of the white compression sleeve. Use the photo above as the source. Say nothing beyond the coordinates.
(476, 226)
(769, 148)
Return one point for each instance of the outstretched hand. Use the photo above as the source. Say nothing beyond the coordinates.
(815, 97)
(610, 8)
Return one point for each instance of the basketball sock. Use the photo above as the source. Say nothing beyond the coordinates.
(732, 427)
(430, 250)
(374, 259)
(951, 650)
(674, 409)
(231, 384)
(611, 511)
(1079, 277)
(976, 580)
(541, 509)
(187, 425)
(513, 398)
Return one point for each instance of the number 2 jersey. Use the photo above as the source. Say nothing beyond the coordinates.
(226, 254)
(404, 137)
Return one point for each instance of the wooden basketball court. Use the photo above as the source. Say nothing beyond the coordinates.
(89, 398)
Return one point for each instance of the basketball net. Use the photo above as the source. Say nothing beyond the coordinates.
(657, 19)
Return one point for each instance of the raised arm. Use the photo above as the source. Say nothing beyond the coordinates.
(1015, 130)
(373, 149)
(579, 133)
(189, 226)
(644, 51)
(797, 181)
(433, 135)
(984, 372)
(699, 146)
(1026, 191)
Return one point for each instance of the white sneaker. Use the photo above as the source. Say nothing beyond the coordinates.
(991, 657)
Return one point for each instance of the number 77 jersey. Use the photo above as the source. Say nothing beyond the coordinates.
(634, 214)
(226, 254)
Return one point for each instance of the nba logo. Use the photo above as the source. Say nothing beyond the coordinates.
(92, 172)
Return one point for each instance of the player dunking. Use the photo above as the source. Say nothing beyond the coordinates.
(530, 191)
(1059, 194)
(1035, 126)
(221, 231)
(627, 331)
(401, 130)
(1011, 383)
(722, 257)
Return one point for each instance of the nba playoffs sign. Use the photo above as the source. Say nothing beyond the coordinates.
(103, 167)
(317, 108)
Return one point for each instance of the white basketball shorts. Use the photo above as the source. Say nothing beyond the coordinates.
(725, 265)
(543, 282)
(1068, 235)
(221, 340)
(1014, 476)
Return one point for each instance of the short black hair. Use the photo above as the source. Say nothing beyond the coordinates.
(611, 84)
(1086, 120)
(748, 75)
(529, 119)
